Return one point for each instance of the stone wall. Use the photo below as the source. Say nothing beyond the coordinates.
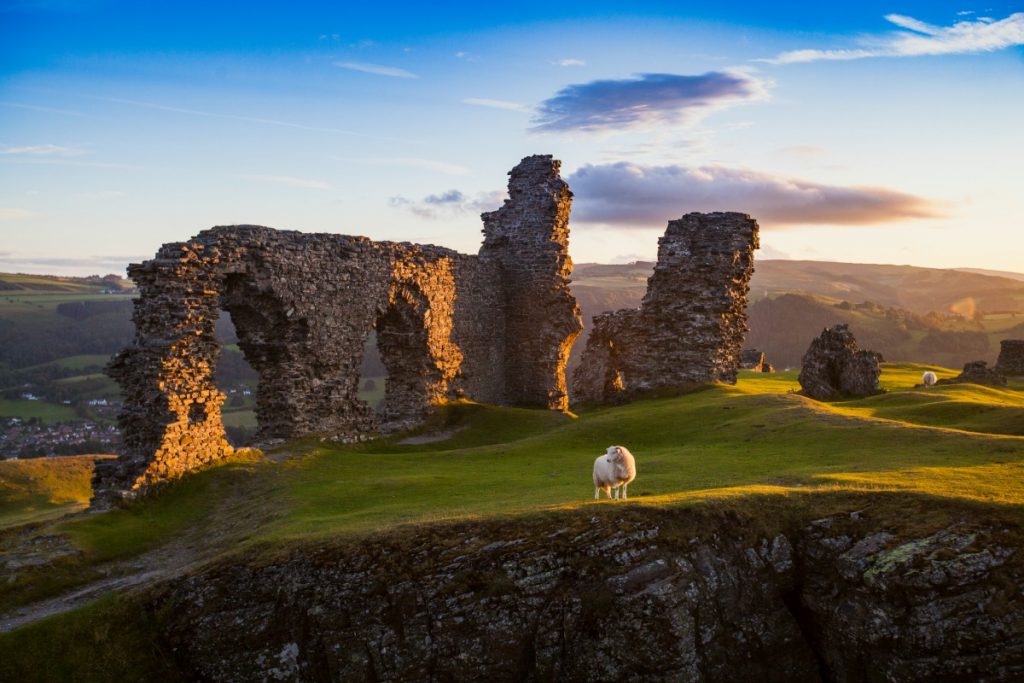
(1011, 357)
(495, 328)
(689, 328)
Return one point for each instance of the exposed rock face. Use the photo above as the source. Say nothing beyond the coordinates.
(636, 596)
(495, 328)
(1011, 357)
(977, 372)
(689, 328)
(834, 367)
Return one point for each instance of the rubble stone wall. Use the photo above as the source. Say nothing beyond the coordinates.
(495, 328)
(692, 321)
(1011, 357)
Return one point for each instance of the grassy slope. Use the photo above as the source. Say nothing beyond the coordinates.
(758, 446)
(722, 441)
(42, 488)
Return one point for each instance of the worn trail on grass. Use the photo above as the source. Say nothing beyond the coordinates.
(233, 520)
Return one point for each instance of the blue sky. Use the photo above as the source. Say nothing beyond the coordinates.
(873, 132)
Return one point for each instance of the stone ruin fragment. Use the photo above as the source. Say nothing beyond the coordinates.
(496, 328)
(752, 359)
(977, 372)
(834, 367)
(690, 326)
(1011, 357)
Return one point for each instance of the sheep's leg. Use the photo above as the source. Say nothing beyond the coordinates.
(616, 493)
(597, 493)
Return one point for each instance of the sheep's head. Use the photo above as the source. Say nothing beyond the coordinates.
(614, 452)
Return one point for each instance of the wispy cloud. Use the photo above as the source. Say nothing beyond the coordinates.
(411, 162)
(645, 101)
(918, 38)
(8, 213)
(237, 117)
(100, 194)
(450, 203)
(289, 181)
(51, 161)
(632, 195)
(92, 264)
(570, 62)
(43, 150)
(496, 104)
(376, 69)
(47, 110)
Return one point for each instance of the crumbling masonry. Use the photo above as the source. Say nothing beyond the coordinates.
(1011, 357)
(690, 327)
(496, 328)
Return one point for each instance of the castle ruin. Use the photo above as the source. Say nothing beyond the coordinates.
(496, 328)
(690, 326)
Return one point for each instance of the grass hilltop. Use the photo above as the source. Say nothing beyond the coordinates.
(747, 447)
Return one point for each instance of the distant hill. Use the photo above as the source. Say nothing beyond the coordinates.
(996, 273)
(932, 315)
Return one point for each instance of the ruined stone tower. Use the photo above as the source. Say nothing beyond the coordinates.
(691, 323)
(528, 239)
(495, 328)
(1011, 357)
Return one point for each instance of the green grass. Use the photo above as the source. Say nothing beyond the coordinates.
(26, 410)
(36, 489)
(756, 436)
(723, 443)
(88, 360)
(239, 418)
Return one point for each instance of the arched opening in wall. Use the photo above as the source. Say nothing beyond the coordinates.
(373, 376)
(412, 379)
(238, 380)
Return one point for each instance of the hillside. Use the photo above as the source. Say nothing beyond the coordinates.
(751, 450)
(925, 315)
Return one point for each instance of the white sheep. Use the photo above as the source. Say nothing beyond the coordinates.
(929, 378)
(614, 470)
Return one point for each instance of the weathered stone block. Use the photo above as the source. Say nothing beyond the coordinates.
(834, 367)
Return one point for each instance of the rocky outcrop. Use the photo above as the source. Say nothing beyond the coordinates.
(977, 372)
(834, 367)
(1011, 357)
(660, 595)
(495, 328)
(690, 326)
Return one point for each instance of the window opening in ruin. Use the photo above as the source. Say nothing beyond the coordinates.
(373, 375)
(238, 380)
(197, 413)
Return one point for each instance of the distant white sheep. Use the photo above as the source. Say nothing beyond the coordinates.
(929, 378)
(614, 470)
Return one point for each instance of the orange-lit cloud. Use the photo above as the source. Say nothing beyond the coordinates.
(633, 195)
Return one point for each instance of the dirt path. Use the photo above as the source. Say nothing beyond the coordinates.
(236, 517)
